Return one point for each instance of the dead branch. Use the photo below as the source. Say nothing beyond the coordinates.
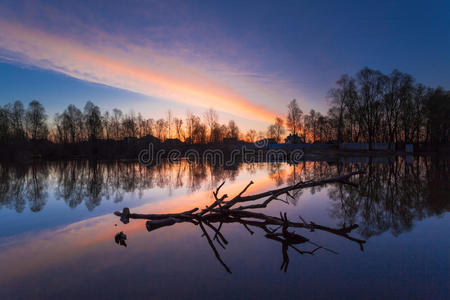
(223, 212)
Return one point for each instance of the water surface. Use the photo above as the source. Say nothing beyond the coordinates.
(57, 231)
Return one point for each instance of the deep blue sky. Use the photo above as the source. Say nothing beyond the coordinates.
(263, 53)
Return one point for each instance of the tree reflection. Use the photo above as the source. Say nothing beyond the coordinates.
(90, 182)
(36, 188)
(392, 196)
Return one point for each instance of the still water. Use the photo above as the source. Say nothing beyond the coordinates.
(57, 231)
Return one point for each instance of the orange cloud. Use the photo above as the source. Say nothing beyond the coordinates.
(129, 67)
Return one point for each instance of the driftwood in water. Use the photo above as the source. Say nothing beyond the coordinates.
(240, 210)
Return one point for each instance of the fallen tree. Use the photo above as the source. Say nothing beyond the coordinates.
(239, 209)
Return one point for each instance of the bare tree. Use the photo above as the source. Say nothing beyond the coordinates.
(199, 134)
(190, 120)
(419, 99)
(341, 97)
(276, 130)
(4, 124)
(251, 136)
(233, 130)
(406, 95)
(36, 121)
(116, 123)
(129, 126)
(169, 123)
(211, 119)
(161, 129)
(369, 102)
(311, 125)
(73, 119)
(17, 118)
(294, 117)
(92, 120)
(179, 128)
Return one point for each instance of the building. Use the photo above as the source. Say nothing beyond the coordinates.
(294, 139)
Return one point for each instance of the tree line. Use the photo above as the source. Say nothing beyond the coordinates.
(74, 125)
(375, 107)
(370, 107)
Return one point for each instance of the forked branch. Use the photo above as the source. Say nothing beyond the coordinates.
(222, 212)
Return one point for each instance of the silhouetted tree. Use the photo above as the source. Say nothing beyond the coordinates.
(369, 104)
(311, 125)
(276, 130)
(211, 119)
(17, 119)
(161, 128)
(4, 124)
(129, 126)
(93, 121)
(35, 120)
(294, 117)
(169, 123)
(341, 97)
(438, 111)
(251, 136)
(233, 130)
(116, 121)
(178, 123)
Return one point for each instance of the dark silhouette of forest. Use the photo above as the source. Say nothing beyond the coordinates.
(370, 107)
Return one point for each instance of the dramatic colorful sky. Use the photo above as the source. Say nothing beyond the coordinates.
(247, 59)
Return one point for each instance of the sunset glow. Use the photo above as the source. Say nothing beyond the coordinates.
(207, 149)
(132, 69)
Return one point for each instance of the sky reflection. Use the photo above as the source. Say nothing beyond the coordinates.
(71, 258)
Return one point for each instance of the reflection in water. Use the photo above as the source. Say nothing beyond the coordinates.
(81, 181)
(389, 197)
(22, 185)
(45, 240)
(240, 210)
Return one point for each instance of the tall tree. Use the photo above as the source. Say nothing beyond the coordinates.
(419, 119)
(116, 122)
(251, 136)
(129, 126)
(211, 119)
(438, 111)
(4, 124)
(406, 91)
(276, 130)
(93, 121)
(17, 118)
(36, 121)
(73, 122)
(233, 130)
(369, 102)
(169, 123)
(341, 96)
(179, 128)
(161, 129)
(311, 125)
(294, 117)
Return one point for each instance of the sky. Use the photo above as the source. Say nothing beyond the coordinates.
(246, 59)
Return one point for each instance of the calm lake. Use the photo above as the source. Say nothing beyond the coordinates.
(57, 231)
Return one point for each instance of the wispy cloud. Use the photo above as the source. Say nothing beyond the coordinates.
(148, 67)
(131, 67)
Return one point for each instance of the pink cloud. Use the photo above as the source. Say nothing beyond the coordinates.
(111, 61)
